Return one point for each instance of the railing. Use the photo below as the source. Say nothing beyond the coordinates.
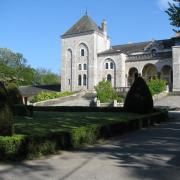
(122, 89)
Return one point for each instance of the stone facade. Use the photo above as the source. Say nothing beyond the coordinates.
(88, 58)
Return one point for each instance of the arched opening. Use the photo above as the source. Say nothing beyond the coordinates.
(132, 75)
(84, 80)
(149, 72)
(79, 80)
(166, 74)
(109, 78)
(111, 65)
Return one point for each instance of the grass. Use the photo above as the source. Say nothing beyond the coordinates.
(43, 123)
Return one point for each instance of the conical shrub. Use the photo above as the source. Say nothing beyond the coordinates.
(139, 98)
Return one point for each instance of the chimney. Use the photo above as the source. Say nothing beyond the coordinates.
(104, 27)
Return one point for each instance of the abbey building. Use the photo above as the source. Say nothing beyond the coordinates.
(88, 57)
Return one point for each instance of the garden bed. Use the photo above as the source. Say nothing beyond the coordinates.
(48, 132)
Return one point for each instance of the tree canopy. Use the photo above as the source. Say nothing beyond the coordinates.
(14, 68)
(174, 14)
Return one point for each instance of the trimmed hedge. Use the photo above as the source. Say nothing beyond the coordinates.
(77, 109)
(22, 110)
(27, 147)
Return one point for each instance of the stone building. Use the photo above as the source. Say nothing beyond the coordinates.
(88, 57)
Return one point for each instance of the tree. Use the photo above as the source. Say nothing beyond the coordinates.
(174, 14)
(45, 77)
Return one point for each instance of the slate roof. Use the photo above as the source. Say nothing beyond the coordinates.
(85, 24)
(34, 90)
(136, 47)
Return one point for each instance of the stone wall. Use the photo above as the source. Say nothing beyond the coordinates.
(176, 68)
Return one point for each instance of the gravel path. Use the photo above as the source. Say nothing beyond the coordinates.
(152, 154)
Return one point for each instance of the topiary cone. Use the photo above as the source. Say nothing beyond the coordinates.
(6, 117)
(139, 98)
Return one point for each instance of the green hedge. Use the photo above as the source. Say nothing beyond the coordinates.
(27, 147)
(49, 95)
(157, 86)
(77, 109)
(22, 110)
(106, 93)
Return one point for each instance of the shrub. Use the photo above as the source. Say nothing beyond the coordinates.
(49, 95)
(139, 98)
(22, 110)
(157, 86)
(105, 92)
(14, 94)
(11, 146)
(6, 118)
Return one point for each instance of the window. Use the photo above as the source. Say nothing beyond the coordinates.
(84, 80)
(111, 65)
(109, 78)
(153, 51)
(107, 66)
(79, 80)
(82, 52)
(80, 67)
(69, 81)
(85, 67)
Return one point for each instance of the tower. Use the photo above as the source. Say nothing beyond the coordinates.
(80, 46)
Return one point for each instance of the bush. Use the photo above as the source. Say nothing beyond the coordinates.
(11, 147)
(139, 98)
(6, 118)
(157, 86)
(105, 92)
(22, 110)
(14, 94)
(49, 95)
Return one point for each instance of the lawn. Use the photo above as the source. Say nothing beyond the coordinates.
(43, 123)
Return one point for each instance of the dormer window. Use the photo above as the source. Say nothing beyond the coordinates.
(82, 52)
(153, 51)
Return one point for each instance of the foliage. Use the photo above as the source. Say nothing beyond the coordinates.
(105, 92)
(139, 98)
(14, 94)
(6, 119)
(157, 86)
(49, 95)
(11, 147)
(14, 68)
(22, 110)
(45, 77)
(174, 14)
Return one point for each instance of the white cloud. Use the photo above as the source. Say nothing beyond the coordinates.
(163, 4)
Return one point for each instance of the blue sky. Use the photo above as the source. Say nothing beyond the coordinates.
(33, 27)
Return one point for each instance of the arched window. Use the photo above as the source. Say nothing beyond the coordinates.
(107, 66)
(85, 66)
(79, 80)
(84, 80)
(80, 67)
(153, 51)
(109, 78)
(111, 65)
(82, 52)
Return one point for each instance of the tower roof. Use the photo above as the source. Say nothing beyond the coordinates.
(85, 24)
